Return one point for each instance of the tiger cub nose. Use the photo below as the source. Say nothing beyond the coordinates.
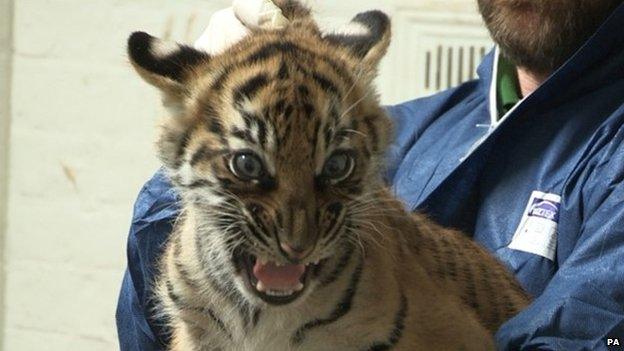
(295, 252)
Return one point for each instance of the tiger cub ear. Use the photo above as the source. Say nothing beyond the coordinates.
(367, 37)
(166, 65)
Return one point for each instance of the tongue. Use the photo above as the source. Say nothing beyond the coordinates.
(278, 277)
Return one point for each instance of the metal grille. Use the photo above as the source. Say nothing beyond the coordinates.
(448, 66)
(434, 51)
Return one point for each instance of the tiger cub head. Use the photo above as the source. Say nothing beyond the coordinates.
(274, 145)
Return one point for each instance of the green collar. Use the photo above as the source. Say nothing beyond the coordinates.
(508, 92)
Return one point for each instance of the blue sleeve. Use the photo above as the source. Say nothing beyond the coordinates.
(583, 305)
(154, 212)
(410, 120)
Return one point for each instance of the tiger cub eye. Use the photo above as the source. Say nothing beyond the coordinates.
(338, 167)
(246, 166)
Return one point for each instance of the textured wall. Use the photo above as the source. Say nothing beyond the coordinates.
(81, 147)
(81, 131)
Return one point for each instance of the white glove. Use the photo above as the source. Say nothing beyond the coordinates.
(228, 26)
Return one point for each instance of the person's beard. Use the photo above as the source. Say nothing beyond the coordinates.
(540, 35)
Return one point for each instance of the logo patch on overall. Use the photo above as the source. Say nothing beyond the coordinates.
(537, 231)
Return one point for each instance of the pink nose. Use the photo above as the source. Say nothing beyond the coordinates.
(295, 252)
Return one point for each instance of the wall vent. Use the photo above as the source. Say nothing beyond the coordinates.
(434, 51)
(446, 66)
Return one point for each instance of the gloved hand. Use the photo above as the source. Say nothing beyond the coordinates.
(228, 26)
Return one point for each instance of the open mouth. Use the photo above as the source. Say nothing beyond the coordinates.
(275, 283)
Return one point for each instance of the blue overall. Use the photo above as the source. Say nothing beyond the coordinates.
(542, 190)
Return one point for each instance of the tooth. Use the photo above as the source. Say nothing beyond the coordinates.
(299, 287)
(279, 292)
(317, 261)
(260, 287)
(279, 264)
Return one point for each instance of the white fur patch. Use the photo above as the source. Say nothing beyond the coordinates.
(186, 173)
(353, 28)
(161, 48)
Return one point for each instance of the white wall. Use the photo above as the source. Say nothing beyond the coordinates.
(81, 136)
(6, 26)
(81, 147)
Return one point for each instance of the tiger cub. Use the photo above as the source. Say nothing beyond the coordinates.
(288, 238)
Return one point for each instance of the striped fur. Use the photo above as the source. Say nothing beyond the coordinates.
(386, 279)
